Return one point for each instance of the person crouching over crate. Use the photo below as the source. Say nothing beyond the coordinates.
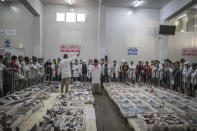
(194, 79)
(96, 77)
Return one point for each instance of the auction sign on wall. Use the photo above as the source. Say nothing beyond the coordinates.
(189, 51)
(132, 51)
(69, 48)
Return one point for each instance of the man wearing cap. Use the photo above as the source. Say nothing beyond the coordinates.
(186, 77)
(194, 79)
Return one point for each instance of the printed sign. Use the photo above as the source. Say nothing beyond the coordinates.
(10, 32)
(132, 51)
(7, 32)
(189, 51)
(69, 48)
(7, 43)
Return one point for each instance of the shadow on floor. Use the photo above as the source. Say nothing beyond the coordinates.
(108, 117)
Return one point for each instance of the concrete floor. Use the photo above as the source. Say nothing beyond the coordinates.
(108, 117)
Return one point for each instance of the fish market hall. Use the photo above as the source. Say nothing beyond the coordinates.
(98, 65)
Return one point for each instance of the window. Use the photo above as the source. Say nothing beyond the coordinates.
(60, 16)
(70, 17)
(81, 17)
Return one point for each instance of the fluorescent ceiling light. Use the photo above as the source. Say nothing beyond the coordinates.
(182, 16)
(70, 17)
(2, 0)
(69, 1)
(60, 16)
(138, 3)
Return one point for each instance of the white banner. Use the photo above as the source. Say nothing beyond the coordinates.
(7, 32)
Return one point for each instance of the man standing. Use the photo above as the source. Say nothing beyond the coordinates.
(96, 76)
(176, 75)
(89, 68)
(194, 79)
(66, 71)
(186, 73)
(106, 71)
(115, 71)
(132, 69)
(125, 69)
(83, 72)
(76, 72)
(139, 69)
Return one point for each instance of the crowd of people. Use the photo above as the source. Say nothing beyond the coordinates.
(180, 75)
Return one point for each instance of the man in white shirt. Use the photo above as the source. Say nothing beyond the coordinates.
(132, 70)
(115, 71)
(90, 66)
(186, 73)
(96, 77)
(194, 79)
(65, 70)
(76, 71)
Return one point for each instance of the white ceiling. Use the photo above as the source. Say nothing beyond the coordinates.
(74, 2)
(153, 4)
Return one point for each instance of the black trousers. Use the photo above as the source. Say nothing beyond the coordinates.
(124, 77)
(76, 79)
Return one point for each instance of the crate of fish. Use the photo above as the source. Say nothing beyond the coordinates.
(128, 111)
(191, 119)
(22, 113)
(143, 108)
(88, 99)
(161, 109)
(76, 104)
(184, 109)
(63, 122)
(158, 122)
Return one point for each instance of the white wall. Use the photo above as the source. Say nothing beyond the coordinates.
(15, 16)
(38, 27)
(56, 33)
(179, 41)
(126, 28)
(168, 46)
